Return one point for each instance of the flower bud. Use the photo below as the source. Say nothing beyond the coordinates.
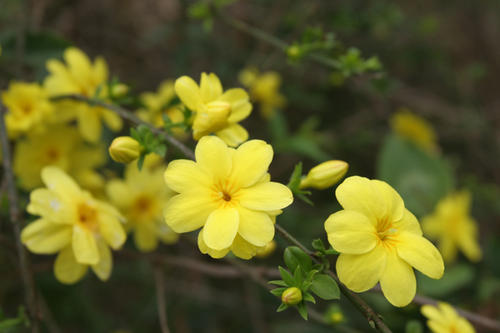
(266, 250)
(291, 296)
(325, 175)
(124, 149)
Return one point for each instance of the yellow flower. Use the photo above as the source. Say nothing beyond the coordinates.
(444, 319)
(414, 128)
(60, 146)
(80, 76)
(264, 88)
(159, 104)
(379, 240)
(453, 227)
(141, 197)
(325, 175)
(215, 111)
(28, 108)
(124, 149)
(75, 225)
(228, 193)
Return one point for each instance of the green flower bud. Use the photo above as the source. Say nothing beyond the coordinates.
(291, 296)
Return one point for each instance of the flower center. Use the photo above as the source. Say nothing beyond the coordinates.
(87, 217)
(386, 231)
(143, 205)
(52, 154)
(224, 193)
(226, 196)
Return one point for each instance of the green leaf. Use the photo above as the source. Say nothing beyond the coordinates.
(140, 161)
(278, 291)
(282, 307)
(296, 177)
(298, 275)
(308, 297)
(301, 307)
(278, 283)
(286, 276)
(325, 287)
(294, 257)
(414, 326)
(318, 245)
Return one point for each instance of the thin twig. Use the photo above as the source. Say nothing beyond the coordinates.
(126, 114)
(16, 220)
(160, 298)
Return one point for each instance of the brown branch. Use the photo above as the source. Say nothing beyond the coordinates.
(160, 298)
(16, 220)
(126, 114)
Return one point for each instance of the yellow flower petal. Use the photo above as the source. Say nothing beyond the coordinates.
(84, 246)
(233, 135)
(360, 272)
(103, 268)
(221, 228)
(398, 281)
(59, 182)
(49, 205)
(408, 223)
(145, 238)
(112, 120)
(216, 254)
(100, 70)
(188, 92)
(184, 174)
(115, 190)
(213, 157)
(372, 198)
(431, 312)
(240, 106)
(78, 64)
(89, 124)
(255, 227)
(111, 230)
(45, 237)
(243, 249)
(66, 269)
(467, 240)
(421, 254)
(189, 211)
(463, 326)
(210, 87)
(250, 162)
(351, 232)
(266, 196)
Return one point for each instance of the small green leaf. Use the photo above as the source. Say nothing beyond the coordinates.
(140, 161)
(278, 283)
(302, 310)
(294, 257)
(286, 276)
(295, 178)
(308, 297)
(325, 287)
(318, 245)
(331, 251)
(282, 307)
(298, 275)
(278, 291)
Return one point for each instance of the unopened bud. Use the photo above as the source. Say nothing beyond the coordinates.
(124, 149)
(119, 90)
(325, 175)
(266, 250)
(291, 296)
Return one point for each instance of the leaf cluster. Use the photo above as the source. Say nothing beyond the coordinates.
(150, 143)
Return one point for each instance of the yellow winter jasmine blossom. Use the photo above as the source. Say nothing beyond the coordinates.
(159, 104)
(414, 128)
(379, 240)
(228, 193)
(325, 175)
(75, 225)
(444, 319)
(264, 88)
(453, 227)
(215, 111)
(141, 197)
(80, 76)
(60, 146)
(28, 107)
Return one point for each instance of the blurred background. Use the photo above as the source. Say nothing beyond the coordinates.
(345, 69)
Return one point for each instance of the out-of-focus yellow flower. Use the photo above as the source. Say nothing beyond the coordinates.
(75, 225)
(80, 76)
(215, 111)
(28, 108)
(159, 104)
(267, 250)
(141, 197)
(228, 193)
(444, 319)
(414, 128)
(325, 175)
(379, 240)
(264, 88)
(291, 296)
(453, 227)
(61, 146)
(124, 149)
